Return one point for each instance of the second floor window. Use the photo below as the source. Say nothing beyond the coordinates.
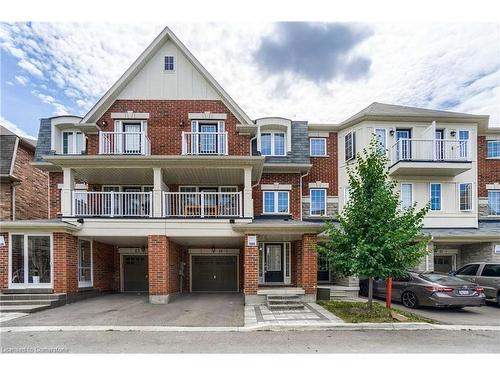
(273, 144)
(494, 202)
(493, 149)
(381, 139)
(169, 64)
(406, 196)
(73, 143)
(435, 197)
(465, 196)
(318, 202)
(349, 146)
(317, 146)
(276, 202)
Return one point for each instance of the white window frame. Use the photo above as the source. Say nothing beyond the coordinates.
(471, 196)
(492, 191)
(401, 191)
(311, 148)
(75, 134)
(487, 148)
(352, 142)
(467, 144)
(86, 284)
(276, 204)
(273, 150)
(174, 64)
(440, 196)
(311, 202)
(385, 138)
(25, 259)
(347, 195)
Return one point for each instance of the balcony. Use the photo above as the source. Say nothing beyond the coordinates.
(198, 143)
(202, 204)
(124, 143)
(112, 204)
(430, 157)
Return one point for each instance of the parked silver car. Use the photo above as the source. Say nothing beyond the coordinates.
(486, 275)
(430, 289)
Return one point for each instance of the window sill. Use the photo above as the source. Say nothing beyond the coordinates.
(319, 156)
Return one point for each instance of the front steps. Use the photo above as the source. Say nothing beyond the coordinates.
(29, 303)
(284, 302)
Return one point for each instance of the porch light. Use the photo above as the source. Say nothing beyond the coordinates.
(181, 123)
(104, 123)
(391, 132)
(453, 133)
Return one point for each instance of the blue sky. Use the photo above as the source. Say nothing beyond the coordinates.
(315, 72)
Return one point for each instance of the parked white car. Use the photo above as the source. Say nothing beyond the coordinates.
(486, 275)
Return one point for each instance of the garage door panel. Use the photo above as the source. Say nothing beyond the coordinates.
(214, 274)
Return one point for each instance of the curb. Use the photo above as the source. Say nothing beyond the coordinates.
(258, 327)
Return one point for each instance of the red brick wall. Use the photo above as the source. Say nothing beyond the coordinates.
(282, 178)
(164, 128)
(307, 266)
(174, 262)
(4, 262)
(251, 268)
(163, 265)
(489, 169)
(5, 201)
(65, 263)
(32, 192)
(324, 169)
(55, 178)
(103, 259)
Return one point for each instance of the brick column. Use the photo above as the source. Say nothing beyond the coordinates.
(307, 264)
(4, 262)
(158, 269)
(65, 263)
(251, 270)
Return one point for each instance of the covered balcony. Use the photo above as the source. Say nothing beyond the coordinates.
(430, 157)
(124, 143)
(204, 143)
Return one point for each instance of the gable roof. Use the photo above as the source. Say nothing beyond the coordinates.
(381, 111)
(105, 102)
(9, 142)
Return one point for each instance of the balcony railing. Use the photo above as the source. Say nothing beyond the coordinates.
(196, 143)
(202, 204)
(111, 204)
(124, 143)
(439, 150)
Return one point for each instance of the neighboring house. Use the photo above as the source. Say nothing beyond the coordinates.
(23, 188)
(168, 186)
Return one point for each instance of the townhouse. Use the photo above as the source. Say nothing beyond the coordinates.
(166, 186)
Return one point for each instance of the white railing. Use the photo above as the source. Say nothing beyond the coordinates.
(196, 143)
(124, 143)
(430, 150)
(111, 204)
(202, 204)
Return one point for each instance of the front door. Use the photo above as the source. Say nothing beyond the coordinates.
(273, 263)
(323, 269)
(443, 263)
(209, 201)
(439, 145)
(135, 273)
(132, 135)
(208, 139)
(403, 137)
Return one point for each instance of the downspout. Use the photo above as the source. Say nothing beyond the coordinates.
(301, 177)
(13, 197)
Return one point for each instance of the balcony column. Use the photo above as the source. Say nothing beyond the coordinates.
(247, 193)
(67, 192)
(158, 188)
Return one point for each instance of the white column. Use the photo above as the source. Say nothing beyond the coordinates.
(247, 193)
(67, 191)
(158, 188)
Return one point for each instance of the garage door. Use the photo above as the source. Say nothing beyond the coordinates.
(214, 274)
(135, 271)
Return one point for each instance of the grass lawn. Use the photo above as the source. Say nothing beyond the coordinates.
(358, 312)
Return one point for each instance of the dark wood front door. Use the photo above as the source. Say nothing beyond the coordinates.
(135, 273)
(273, 263)
(214, 273)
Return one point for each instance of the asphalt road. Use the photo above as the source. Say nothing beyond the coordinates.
(255, 342)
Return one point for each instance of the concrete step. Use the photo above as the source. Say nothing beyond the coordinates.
(14, 302)
(283, 298)
(284, 302)
(27, 291)
(286, 306)
(24, 308)
(32, 296)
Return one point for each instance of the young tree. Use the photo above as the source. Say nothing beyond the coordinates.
(374, 236)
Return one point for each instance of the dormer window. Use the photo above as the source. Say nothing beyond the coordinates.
(169, 64)
(273, 144)
(73, 142)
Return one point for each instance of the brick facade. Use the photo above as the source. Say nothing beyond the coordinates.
(251, 268)
(324, 169)
(281, 178)
(65, 263)
(105, 267)
(4, 262)
(55, 178)
(5, 201)
(307, 266)
(163, 265)
(488, 169)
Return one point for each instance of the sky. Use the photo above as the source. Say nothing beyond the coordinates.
(319, 72)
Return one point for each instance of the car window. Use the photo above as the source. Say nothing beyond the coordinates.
(406, 277)
(439, 278)
(491, 270)
(470, 270)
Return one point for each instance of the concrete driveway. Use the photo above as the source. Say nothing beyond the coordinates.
(200, 310)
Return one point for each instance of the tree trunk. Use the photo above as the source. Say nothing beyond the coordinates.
(370, 293)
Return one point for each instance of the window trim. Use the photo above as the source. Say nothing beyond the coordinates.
(467, 144)
(310, 202)
(325, 142)
(492, 191)
(487, 149)
(273, 148)
(385, 137)
(174, 64)
(74, 142)
(86, 284)
(401, 192)
(440, 196)
(352, 142)
(276, 202)
(471, 196)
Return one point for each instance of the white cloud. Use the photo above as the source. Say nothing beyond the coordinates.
(30, 68)
(22, 80)
(442, 66)
(14, 128)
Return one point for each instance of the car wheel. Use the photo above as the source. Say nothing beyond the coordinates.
(410, 300)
